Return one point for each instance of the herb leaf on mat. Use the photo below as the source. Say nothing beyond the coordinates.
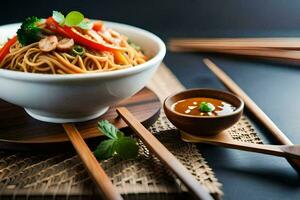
(127, 148)
(108, 129)
(118, 144)
(105, 149)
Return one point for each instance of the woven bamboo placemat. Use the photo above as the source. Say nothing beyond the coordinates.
(34, 175)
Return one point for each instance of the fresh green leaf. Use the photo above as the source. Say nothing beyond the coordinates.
(105, 149)
(108, 129)
(206, 107)
(120, 134)
(74, 18)
(29, 32)
(126, 148)
(58, 17)
(84, 24)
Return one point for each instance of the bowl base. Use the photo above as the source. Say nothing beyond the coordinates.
(56, 118)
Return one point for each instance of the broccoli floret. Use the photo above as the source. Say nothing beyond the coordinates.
(29, 32)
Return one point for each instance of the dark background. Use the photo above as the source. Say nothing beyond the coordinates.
(275, 87)
(174, 17)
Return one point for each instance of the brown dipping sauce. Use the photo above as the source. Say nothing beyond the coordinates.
(190, 106)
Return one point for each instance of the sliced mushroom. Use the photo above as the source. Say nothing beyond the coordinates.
(65, 44)
(48, 43)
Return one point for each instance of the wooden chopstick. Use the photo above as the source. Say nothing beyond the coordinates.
(289, 55)
(225, 140)
(268, 54)
(274, 49)
(252, 107)
(164, 155)
(107, 190)
(202, 48)
(289, 43)
(293, 55)
(277, 55)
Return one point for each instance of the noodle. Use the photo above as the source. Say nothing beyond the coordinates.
(32, 59)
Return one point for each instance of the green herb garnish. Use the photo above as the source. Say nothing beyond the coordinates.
(29, 32)
(58, 17)
(78, 50)
(73, 18)
(85, 24)
(206, 107)
(117, 144)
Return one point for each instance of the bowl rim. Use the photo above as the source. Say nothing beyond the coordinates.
(36, 76)
(237, 111)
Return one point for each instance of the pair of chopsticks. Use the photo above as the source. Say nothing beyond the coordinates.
(253, 108)
(107, 190)
(276, 49)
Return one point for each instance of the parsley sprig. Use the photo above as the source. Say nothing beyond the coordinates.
(73, 18)
(117, 144)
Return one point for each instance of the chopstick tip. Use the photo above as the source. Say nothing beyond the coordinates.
(120, 110)
(206, 60)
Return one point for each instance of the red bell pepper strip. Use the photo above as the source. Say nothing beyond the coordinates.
(70, 32)
(55, 27)
(5, 49)
(81, 39)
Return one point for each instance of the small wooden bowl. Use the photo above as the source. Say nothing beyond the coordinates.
(203, 125)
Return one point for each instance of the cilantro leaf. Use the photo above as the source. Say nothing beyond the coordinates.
(85, 25)
(105, 149)
(108, 129)
(120, 134)
(58, 17)
(74, 18)
(126, 148)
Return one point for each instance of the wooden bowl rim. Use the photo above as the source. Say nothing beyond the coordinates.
(237, 111)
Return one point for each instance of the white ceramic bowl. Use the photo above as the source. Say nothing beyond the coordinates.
(79, 97)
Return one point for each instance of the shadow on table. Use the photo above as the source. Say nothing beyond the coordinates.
(276, 176)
